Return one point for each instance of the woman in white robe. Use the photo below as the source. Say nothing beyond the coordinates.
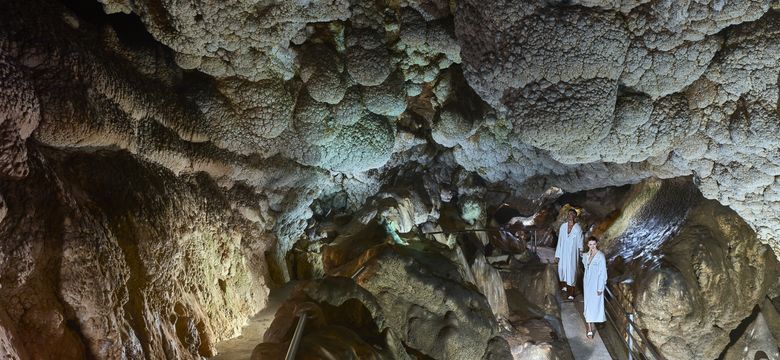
(594, 281)
(567, 252)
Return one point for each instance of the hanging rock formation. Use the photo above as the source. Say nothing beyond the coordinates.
(238, 89)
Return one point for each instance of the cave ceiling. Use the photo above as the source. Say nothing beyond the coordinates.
(307, 99)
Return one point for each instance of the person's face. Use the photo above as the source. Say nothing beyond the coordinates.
(572, 215)
(592, 245)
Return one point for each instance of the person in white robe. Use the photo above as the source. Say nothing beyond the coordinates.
(567, 252)
(594, 282)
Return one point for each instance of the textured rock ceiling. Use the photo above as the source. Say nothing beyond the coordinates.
(311, 99)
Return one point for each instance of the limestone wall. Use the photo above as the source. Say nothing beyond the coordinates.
(108, 257)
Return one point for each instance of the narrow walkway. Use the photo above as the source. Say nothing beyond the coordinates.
(574, 327)
(240, 348)
(574, 322)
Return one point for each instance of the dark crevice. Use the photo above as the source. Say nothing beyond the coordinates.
(128, 27)
(74, 326)
(737, 333)
(416, 354)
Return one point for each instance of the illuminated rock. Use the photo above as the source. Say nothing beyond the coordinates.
(700, 269)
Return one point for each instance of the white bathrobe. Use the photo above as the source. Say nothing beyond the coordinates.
(569, 247)
(594, 281)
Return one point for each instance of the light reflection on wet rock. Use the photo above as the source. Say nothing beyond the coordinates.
(698, 270)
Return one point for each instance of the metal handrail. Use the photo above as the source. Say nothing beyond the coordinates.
(632, 328)
(629, 336)
(612, 321)
(534, 248)
(641, 335)
(296, 340)
(627, 342)
(460, 231)
(358, 272)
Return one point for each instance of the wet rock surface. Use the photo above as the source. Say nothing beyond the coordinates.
(702, 276)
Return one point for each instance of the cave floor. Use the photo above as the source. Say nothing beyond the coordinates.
(574, 327)
(574, 322)
(240, 348)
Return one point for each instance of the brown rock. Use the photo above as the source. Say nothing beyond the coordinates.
(343, 322)
(426, 302)
(157, 274)
(708, 273)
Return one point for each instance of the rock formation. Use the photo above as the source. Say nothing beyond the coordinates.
(239, 125)
(320, 87)
(756, 339)
(699, 277)
(344, 321)
(427, 296)
(106, 256)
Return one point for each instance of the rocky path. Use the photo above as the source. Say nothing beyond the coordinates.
(240, 348)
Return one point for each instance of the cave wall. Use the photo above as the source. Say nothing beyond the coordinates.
(106, 256)
(691, 268)
(327, 98)
(722, 272)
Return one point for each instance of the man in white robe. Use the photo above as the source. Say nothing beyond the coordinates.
(567, 253)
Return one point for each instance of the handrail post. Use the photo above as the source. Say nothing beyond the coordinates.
(296, 337)
(630, 338)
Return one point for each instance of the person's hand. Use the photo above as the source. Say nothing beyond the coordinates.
(599, 292)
